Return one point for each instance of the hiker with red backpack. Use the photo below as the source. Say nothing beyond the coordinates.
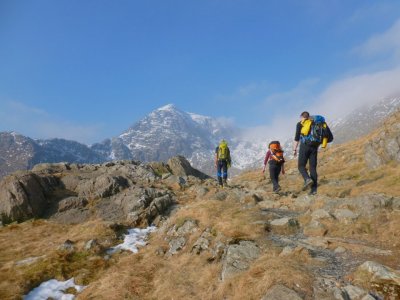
(222, 162)
(276, 164)
(311, 132)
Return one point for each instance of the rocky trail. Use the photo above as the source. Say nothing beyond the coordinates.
(241, 242)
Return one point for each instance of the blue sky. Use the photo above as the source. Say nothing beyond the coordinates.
(87, 70)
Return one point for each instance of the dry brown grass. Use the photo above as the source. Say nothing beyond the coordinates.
(37, 238)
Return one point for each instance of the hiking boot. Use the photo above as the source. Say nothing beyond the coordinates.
(278, 189)
(312, 192)
(307, 183)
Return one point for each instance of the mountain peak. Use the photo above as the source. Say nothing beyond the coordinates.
(168, 107)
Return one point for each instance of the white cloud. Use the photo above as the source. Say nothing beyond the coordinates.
(37, 123)
(386, 43)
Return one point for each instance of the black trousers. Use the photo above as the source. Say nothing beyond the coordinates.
(308, 154)
(274, 171)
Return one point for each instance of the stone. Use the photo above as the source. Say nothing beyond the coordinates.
(321, 214)
(102, 186)
(238, 258)
(180, 166)
(355, 292)
(345, 215)
(340, 250)
(165, 176)
(24, 196)
(220, 196)
(71, 202)
(203, 242)
(67, 246)
(187, 227)
(176, 245)
(93, 246)
(315, 228)
(377, 273)
(281, 292)
(304, 202)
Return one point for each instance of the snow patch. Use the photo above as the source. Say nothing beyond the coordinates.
(54, 289)
(135, 238)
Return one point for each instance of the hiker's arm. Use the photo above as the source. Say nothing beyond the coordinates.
(267, 155)
(216, 160)
(297, 138)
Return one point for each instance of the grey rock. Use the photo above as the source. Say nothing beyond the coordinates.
(355, 292)
(203, 242)
(315, 228)
(24, 196)
(220, 196)
(238, 257)
(103, 186)
(180, 166)
(165, 175)
(29, 261)
(67, 246)
(378, 273)
(340, 250)
(281, 292)
(304, 202)
(71, 202)
(286, 221)
(176, 245)
(93, 245)
(345, 215)
(320, 214)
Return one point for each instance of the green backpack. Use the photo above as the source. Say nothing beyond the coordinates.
(223, 151)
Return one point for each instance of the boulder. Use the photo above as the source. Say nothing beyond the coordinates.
(203, 242)
(238, 258)
(180, 166)
(377, 273)
(102, 186)
(71, 202)
(345, 215)
(280, 292)
(315, 228)
(176, 245)
(24, 196)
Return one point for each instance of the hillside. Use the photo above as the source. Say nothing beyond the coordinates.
(242, 242)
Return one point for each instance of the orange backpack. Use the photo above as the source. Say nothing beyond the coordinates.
(276, 152)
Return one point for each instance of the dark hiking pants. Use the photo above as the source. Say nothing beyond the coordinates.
(222, 171)
(308, 154)
(274, 171)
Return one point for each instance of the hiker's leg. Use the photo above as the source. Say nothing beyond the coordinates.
(225, 171)
(302, 161)
(219, 172)
(277, 172)
(272, 175)
(313, 167)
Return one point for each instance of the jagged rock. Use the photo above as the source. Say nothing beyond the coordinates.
(102, 186)
(24, 196)
(284, 225)
(378, 274)
(280, 292)
(165, 176)
(93, 246)
(159, 206)
(203, 242)
(72, 216)
(174, 179)
(345, 215)
(52, 168)
(180, 166)
(186, 227)
(218, 251)
(220, 196)
(304, 202)
(67, 246)
(385, 146)
(176, 245)
(315, 228)
(71, 202)
(321, 214)
(238, 258)
(355, 292)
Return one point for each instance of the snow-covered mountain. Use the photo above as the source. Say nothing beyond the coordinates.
(168, 131)
(363, 120)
